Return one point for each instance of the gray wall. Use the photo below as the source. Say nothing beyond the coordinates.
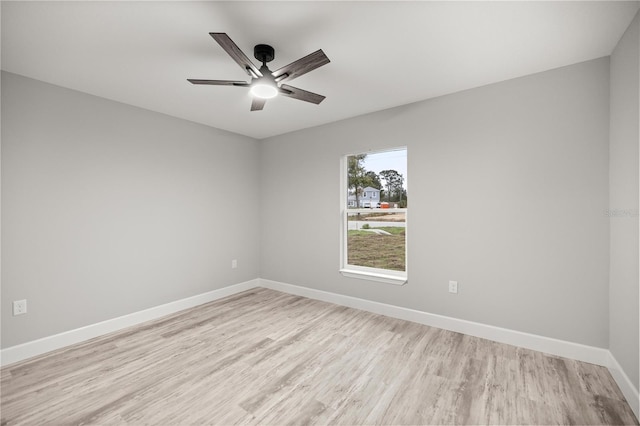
(109, 209)
(508, 185)
(623, 196)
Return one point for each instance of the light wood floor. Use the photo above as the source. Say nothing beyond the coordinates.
(264, 357)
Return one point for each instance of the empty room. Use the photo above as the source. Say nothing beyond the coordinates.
(320, 212)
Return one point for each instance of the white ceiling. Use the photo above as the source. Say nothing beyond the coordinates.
(383, 54)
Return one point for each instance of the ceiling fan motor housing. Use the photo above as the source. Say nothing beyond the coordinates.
(264, 53)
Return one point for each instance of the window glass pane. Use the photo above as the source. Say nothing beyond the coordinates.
(377, 240)
(381, 176)
(374, 238)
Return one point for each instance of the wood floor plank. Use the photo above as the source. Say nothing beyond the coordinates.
(264, 357)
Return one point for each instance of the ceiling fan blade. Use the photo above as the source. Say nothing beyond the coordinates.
(257, 104)
(234, 51)
(219, 82)
(301, 66)
(303, 95)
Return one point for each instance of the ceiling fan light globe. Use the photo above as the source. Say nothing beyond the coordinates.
(264, 91)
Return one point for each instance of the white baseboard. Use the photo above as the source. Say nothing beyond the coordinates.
(548, 345)
(37, 347)
(566, 349)
(624, 383)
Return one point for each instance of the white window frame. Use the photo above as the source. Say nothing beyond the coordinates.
(363, 272)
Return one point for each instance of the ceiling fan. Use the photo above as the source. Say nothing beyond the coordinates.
(266, 84)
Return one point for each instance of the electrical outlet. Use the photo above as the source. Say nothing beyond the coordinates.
(19, 307)
(453, 286)
(234, 263)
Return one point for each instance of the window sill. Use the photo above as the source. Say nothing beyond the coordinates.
(371, 276)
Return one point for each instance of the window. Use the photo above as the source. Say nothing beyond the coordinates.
(374, 234)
